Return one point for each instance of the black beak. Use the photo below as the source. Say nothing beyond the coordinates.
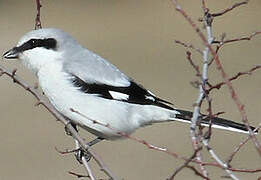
(11, 54)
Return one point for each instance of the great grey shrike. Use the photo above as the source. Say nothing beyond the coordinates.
(73, 77)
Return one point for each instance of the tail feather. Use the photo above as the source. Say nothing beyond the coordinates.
(220, 123)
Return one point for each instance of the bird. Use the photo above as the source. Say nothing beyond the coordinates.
(83, 86)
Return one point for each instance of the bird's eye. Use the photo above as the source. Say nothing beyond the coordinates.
(33, 41)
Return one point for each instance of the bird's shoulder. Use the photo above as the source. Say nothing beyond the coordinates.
(92, 68)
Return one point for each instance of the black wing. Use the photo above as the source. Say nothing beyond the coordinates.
(134, 93)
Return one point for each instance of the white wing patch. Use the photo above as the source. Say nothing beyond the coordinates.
(150, 98)
(119, 96)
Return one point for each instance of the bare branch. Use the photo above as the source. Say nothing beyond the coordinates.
(66, 151)
(249, 72)
(38, 24)
(230, 158)
(230, 8)
(197, 172)
(186, 165)
(213, 154)
(190, 46)
(196, 67)
(78, 175)
(88, 168)
(246, 38)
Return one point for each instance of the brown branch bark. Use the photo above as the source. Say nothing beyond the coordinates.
(230, 8)
(38, 24)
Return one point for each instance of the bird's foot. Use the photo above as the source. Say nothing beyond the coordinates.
(82, 154)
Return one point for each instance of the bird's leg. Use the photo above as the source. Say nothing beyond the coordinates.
(67, 130)
(81, 153)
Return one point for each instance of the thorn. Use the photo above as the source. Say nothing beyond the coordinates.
(78, 175)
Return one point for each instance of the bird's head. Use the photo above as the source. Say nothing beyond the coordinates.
(40, 47)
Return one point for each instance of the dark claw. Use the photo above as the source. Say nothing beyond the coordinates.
(81, 153)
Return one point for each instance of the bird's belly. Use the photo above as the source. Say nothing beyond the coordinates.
(102, 117)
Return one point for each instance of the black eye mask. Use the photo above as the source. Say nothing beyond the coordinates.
(49, 43)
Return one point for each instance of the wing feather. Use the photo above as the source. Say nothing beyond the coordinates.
(92, 68)
(134, 93)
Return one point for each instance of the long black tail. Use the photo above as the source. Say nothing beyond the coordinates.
(220, 123)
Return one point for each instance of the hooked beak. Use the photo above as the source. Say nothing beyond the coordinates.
(11, 54)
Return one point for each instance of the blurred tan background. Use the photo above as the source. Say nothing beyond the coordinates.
(138, 37)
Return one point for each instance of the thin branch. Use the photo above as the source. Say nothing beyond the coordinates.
(236, 150)
(197, 172)
(78, 175)
(38, 24)
(229, 9)
(249, 72)
(204, 77)
(203, 6)
(190, 46)
(196, 67)
(88, 168)
(186, 165)
(66, 151)
(218, 160)
(246, 38)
